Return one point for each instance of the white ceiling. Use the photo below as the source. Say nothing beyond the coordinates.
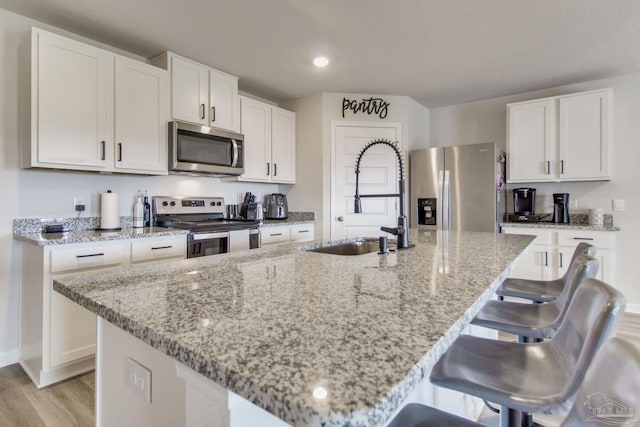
(439, 52)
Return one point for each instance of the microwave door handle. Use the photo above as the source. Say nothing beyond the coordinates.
(234, 155)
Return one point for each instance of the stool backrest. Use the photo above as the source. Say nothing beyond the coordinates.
(610, 392)
(591, 319)
(582, 267)
(583, 248)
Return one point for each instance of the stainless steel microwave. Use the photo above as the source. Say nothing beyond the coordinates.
(201, 150)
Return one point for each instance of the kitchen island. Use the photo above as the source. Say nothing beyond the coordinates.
(312, 338)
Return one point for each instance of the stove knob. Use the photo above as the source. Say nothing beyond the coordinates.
(165, 203)
(172, 203)
(218, 203)
(212, 203)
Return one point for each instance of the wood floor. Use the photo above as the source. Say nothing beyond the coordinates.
(71, 403)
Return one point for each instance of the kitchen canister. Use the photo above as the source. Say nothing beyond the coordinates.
(109, 212)
(596, 217)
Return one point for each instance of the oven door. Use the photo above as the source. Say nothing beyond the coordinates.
(204, 150)
(204, 244)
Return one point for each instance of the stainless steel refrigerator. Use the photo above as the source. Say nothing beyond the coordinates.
(457, 188)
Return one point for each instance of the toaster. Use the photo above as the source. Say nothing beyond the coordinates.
(276, 206)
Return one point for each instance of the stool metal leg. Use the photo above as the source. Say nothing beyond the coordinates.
(509, 417)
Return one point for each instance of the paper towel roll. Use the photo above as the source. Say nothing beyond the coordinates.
(109, 213)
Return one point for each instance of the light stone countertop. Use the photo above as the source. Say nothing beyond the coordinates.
(89, 236)
(273, 324)
(557, 226)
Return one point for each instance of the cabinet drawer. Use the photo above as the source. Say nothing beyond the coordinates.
(543, 237)
(273, 235)
(158, 249)
(82, 258)
(302, 232)
(600, 239)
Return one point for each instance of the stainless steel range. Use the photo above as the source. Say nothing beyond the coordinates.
(211, 233)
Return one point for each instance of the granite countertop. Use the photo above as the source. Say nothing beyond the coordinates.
(273, 324)
(87, 236)
(294, 218)
(557, 226)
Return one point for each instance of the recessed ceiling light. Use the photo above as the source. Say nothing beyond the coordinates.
(321, 61)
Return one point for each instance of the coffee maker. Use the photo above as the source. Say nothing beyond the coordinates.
(561, 208)
(524, 205)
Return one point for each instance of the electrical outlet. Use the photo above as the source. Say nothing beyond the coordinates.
(573, 204)
(78, 204)
(138, 379)
(618, 205)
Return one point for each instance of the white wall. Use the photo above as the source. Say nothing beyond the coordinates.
(43, 193)
(485, 121)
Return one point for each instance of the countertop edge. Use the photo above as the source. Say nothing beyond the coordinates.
(555, 226)
(93, 236)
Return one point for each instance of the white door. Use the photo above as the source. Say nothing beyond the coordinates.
(378, 175)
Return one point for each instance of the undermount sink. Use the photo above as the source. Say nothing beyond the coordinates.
(359, 247)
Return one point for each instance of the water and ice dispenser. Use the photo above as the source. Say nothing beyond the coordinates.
(427, 211)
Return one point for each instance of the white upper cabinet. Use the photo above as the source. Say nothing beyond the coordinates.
(81, 98)
(140, 116)
(565, 138)
(70, 104)
(584, 136)
(269, 142)
(283, 145)
(200, 94)
(532, 142)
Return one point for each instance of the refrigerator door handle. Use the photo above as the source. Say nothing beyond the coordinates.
(446, 204)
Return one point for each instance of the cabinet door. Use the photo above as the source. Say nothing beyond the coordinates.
(531, 141)
(283, 145)
(73, 103)
(140, 117)
(72, 331)
(584, 136)
(275, 235)
(535, 264)
(255, 124)
(302, 232)
(224, 110)
(189, 91)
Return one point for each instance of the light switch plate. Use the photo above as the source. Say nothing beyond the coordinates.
(618, 204)
(138, 379)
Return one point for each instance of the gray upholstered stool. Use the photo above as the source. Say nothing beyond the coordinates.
(534, 377)
(612, 377)
(542, 290)
(537, 320)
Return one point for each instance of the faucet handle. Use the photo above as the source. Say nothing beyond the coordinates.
(390, 230)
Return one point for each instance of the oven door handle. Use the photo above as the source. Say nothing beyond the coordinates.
(234, 155)
(207, 236)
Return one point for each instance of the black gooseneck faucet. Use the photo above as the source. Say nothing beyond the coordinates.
(402, 230)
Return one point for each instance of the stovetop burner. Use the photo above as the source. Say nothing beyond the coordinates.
(198, 214)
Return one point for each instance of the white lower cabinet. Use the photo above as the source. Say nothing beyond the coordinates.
(287, 233)
(549, 255)
(57, 336)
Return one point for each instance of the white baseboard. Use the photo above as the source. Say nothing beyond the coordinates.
(9, 358)
(633, 308)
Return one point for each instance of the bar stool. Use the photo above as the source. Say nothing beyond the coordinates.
(534, 377)
(537, 321)
(612, 377)
(542, 290)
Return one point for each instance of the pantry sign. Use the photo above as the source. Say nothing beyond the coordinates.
(377, 106)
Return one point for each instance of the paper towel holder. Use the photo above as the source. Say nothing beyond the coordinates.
(109, 228)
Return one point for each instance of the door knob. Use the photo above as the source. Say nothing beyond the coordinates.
(340, 218)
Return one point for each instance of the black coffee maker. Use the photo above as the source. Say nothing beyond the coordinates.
(524, 205)
(561, 208)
